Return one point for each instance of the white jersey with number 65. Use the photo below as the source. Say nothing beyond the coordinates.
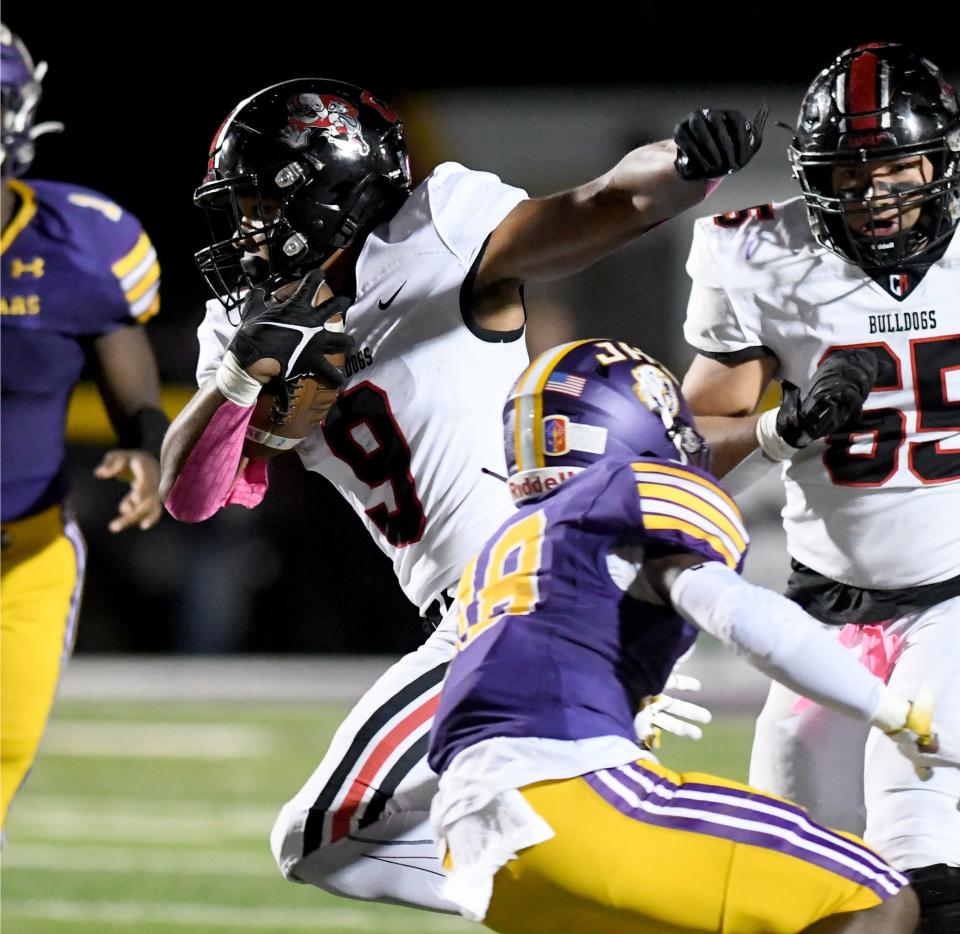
(415, 441)
(879, 507)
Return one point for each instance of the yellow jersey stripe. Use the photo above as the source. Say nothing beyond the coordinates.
(151, 311)
(25, 213)
(687, 475)
(659, 507)
(700, 492)
(129, 262)
(153, 273)
(660, 491)
(670, 523)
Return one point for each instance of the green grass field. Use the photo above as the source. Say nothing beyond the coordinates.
(154, 817)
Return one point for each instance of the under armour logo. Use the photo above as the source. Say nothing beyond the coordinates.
(19, 268)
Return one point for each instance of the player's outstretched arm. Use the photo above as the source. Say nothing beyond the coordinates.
(552, 237)
(782, 641)
(130, 388)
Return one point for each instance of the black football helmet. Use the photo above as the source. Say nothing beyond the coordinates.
(880, 102)
(302, 168)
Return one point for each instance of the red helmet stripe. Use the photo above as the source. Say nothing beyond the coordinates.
(862, 93)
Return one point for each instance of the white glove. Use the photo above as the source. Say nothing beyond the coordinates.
(662, 713)
(910, 725)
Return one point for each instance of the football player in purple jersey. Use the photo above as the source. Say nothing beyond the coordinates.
(79, 279)
(549, 815)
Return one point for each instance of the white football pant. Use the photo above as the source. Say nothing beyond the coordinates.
(852, 777)
(359, 827)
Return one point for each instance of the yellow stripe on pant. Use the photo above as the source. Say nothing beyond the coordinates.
(668, 857)
(42, 576)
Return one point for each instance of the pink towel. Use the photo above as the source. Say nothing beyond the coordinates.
(209, 479)
(879, 651)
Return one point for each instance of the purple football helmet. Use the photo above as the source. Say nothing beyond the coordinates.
(586, 400)
(20, 82)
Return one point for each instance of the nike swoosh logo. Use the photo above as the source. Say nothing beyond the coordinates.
(384, 305)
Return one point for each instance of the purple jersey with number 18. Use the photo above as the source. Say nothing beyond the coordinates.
(559, 638)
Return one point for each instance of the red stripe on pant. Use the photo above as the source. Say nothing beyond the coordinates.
(381, 752)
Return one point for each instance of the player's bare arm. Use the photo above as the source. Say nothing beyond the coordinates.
(833, 399)
(548, 238)
(724, 398)
(130, 387)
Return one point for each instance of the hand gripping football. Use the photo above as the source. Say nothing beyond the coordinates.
(305, 336)
(287, 411)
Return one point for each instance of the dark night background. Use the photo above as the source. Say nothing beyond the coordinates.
(142, 90)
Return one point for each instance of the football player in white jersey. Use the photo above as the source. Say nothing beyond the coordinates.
(434, 324)
(849, 296)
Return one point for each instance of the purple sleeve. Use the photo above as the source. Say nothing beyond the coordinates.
(115, 246)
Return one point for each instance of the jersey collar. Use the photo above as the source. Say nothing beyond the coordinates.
(22, 216)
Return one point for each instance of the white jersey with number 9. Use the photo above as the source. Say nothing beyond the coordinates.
(415, 441)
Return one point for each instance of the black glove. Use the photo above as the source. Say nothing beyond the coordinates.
(836, 396)
(712, 143)
(292, 332)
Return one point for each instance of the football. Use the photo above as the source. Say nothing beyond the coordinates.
(277, 425)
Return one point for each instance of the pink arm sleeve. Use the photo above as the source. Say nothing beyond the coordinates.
(209, 479)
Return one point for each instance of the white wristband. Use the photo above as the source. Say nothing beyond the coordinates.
(892, 711)
(235, 383)
(773, 446)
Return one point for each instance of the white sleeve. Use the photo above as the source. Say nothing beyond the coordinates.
(777, 637)
(712, 323)
(467, 206)
(213, 335)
